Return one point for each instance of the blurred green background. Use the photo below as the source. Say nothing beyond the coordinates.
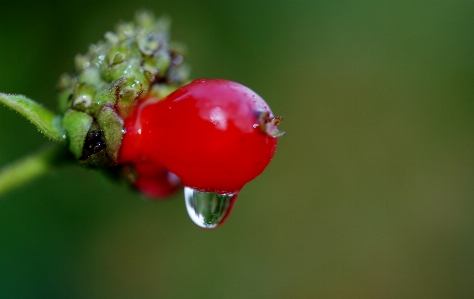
(370, 193)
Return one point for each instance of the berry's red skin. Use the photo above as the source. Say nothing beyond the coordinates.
(210, 133)
(155, 181)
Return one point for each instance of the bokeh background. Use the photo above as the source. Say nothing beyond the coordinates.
(370, 193)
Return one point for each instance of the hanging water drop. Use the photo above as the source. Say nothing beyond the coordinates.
(208, 209)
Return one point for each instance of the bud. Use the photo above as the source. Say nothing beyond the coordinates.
(135, 61)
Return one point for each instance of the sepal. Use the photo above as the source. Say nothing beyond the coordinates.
(45, 120)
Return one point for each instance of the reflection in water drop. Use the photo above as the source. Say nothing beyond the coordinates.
(208, 209)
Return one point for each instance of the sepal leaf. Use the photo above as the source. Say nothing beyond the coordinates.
(45, 120)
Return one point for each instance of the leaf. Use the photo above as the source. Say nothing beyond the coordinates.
(77, 124)
(112, 126)
(46, 121)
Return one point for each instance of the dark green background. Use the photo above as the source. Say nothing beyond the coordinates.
(370, 193)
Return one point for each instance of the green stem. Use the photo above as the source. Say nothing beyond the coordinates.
(30, 167)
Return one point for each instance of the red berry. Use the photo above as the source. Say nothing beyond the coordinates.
(215, 135)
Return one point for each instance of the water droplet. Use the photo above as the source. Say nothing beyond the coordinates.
(208, 209)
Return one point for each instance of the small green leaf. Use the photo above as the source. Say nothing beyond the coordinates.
(46, 121)
(77, 125)
(112, 126)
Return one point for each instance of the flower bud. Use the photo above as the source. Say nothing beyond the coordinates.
(137, 59)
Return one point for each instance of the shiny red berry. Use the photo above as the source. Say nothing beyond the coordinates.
(215, 135)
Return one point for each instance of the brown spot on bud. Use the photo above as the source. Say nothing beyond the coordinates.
(93, 144)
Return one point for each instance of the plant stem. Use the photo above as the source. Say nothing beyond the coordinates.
(30, 167)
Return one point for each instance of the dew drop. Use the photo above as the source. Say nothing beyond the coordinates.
(208, 209)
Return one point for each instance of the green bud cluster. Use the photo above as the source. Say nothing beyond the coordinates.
(135, 60)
